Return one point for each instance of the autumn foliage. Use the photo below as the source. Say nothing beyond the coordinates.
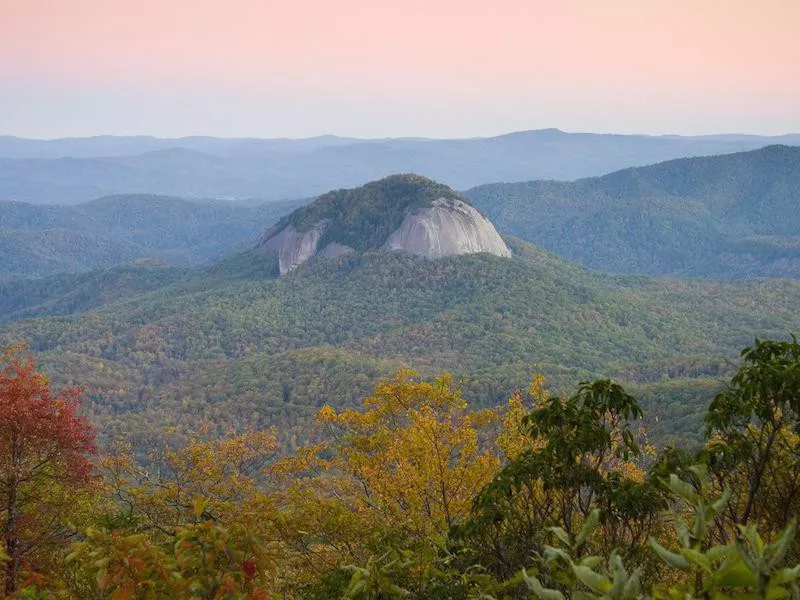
(44, 453)
(414, 496)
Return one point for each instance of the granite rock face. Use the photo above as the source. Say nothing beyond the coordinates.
(447, 228)
(293, 247)
(335, 250)
(402, 213)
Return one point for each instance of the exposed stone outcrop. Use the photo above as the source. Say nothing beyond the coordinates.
(293, 247)
(335, 250)
(401, 213)
(447, 228)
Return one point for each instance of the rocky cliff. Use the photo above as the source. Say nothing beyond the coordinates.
(402, 213)
(447, 228)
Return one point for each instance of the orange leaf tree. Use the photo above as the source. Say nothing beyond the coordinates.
(44, 450)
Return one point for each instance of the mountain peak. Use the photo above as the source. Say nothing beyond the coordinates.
(400, 213)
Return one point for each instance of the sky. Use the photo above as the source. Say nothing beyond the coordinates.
(386, 68)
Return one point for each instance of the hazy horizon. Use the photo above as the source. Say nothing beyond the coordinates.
(435, 68)
(732, 134)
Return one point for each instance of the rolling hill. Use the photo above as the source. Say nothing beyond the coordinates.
(38, 240)
(233, 344)
(730, 216)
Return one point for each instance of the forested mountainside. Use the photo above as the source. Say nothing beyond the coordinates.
(731, 216)
(234, 344)
(248, 431)
(39, 240)
(194, 344)
(77, 170)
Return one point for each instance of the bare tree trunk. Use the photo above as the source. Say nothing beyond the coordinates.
(11, 542)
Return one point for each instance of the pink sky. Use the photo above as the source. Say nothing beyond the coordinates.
(379, 67)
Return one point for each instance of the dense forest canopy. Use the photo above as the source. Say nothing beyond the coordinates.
(37, 241)
(232, 344)
(732, 216)
(414, 496)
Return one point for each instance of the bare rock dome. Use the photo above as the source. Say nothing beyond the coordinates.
(401, 213)
(446, 228)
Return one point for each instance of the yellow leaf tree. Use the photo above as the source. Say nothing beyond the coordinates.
(407, 467)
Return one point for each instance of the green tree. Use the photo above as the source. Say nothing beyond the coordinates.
(753, 446)
(582, 459)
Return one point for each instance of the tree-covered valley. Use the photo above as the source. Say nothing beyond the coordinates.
(495, 424)
(237, 345)
(40, 240)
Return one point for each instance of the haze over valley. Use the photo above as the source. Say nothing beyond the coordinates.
(78, 170)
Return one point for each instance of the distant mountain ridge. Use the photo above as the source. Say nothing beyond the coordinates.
(103, 146)
(70, 171)
(730, 216)
(40, 240)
